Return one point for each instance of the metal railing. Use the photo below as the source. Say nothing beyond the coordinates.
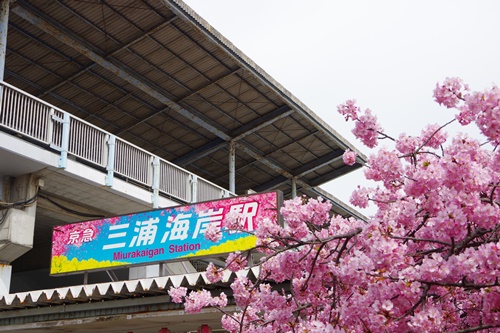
(59, 130)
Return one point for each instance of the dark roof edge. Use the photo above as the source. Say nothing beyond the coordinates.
(186, 12)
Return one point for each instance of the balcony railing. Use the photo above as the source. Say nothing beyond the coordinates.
(56, 129)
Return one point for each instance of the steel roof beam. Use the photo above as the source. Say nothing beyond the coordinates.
(126, 46)
(149, 35)
(183, 98)
(141, 83)
(200, 152)
(237, 134)
(70, 79)
(100, 52)
(305, 169)
(261, 122)
(107, 103)
(119, 70)
(320, 162)
(277, 181)
(204, 27)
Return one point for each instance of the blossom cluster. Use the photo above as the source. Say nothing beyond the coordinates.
(428, 260)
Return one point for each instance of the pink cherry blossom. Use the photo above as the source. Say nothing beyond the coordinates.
(428, 260)
(349, 157)
(233, 221)
(360, 197)
(407, 144)
(450, 92)
(367, 129)
(384, 166)
(213, 232)
(177, 294)
(349, 109)
(213, 273)
(197, 300)
(432, 136)
(235, 261)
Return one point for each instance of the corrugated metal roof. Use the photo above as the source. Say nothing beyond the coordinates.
(156, 74)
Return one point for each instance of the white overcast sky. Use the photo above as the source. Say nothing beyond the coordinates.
(386, 54)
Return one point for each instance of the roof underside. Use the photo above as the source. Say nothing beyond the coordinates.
(157, 75)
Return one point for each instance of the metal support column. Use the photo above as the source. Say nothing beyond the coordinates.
(232, 166)
(156, 181)
(110, 165)
(193, 179)
(294, 187)
(63, 159)
(4, 24)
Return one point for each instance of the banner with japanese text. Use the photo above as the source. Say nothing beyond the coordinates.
(166, 234)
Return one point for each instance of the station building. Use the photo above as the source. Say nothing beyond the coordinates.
(114, 107)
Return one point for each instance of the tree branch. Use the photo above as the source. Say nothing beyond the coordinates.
(477, 328)
(463, 284)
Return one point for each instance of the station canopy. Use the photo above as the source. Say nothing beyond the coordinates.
(156, 74)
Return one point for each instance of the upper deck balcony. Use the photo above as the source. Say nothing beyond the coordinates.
(47, 127)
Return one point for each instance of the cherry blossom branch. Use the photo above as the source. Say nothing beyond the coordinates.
(415, 153)
(421, 300)
(475, 329)
(478, 232)
(383, 135)
(432, 135)
(420, 240)
(494, 235)
(304, 287)
(344, 246)
(398, 272)
(495, 186)
(300, 243)
(463, 284)
(421, 224)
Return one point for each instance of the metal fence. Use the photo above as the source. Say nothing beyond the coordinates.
(56, 129)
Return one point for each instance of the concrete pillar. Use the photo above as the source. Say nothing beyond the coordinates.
(17, 226)
(4, 188)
